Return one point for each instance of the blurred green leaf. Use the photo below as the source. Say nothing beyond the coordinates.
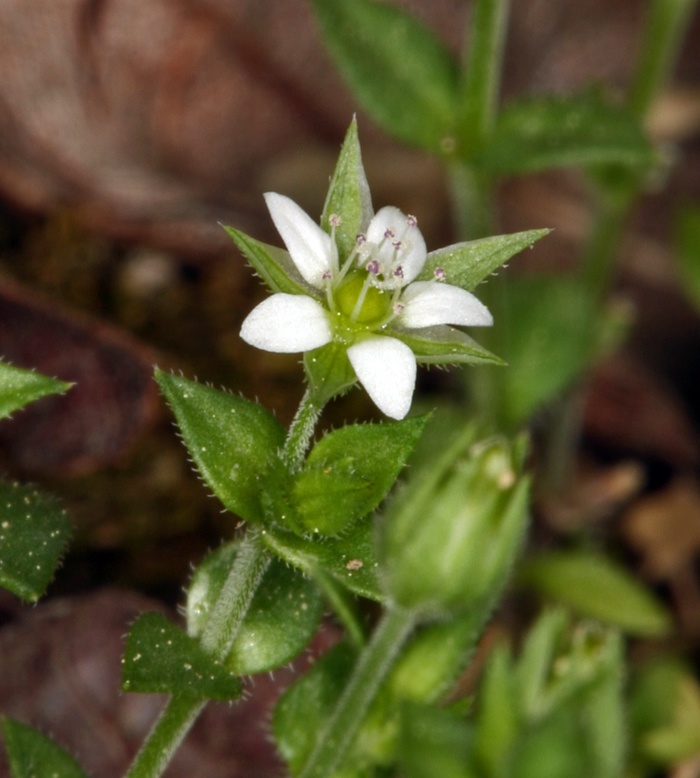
(348, 195)
(283, 615)
(434, 744)
(548, 336)
(272, 264)
(688, 251)
(398, 69)
(596, 586)
(441, 345)
(20, 387)
(32, 755)
(350, 559)
(546, 132)
(302, 711)
(233, 442)
(497, 714)
(468, 264)
(160, 657)
(34, 533)
(350, 471)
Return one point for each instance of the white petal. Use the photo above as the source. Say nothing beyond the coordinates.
(428, 304)
(287, 323)
(413, 256)
(308, 245)
(386, 368)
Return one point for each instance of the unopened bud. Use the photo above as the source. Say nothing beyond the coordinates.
(453, 545)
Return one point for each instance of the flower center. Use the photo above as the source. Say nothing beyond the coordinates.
(373, 309)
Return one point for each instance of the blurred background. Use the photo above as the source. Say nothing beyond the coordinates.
(128, 130)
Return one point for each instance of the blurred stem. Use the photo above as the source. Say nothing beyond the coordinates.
(666, 26)
(343, 605)
(226, 616)
(604, 241)
(371, 669)
(564, 432)
(481, 80)
(472, 201)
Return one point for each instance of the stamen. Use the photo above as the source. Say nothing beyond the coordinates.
(389, 233)
(357, 249)
(361, 238)
(373, 267)
(398, 271)
(361, 298)
(398, 308)
(334, 220)
(327, 275)
(440, 274)
(411, 221)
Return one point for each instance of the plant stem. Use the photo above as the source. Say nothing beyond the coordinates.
(166, 736)
(481, 80)
(301, 430)
(237, 593)
(472, 201)
(343, 605)
(372, 667)
(604, 241)
(665, 29)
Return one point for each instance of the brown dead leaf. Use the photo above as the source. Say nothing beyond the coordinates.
(664, 527)
(113, 401)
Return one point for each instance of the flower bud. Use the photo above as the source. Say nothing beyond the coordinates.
(449, 541)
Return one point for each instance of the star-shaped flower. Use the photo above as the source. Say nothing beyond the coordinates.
(361, 297)
(365, 299)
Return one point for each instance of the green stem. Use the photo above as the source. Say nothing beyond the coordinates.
(472, 202)
(343, 605)
(301, 430)
(166, 736)
(665, 29)
(599, 259)
(236, 595)
(481, 81)
(372, 667)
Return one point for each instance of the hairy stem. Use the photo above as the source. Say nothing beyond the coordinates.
(371, 669)
(301, 430)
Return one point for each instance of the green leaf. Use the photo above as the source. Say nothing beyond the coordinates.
(272, 264)
(595, 586)
(350, 471)
(302, 711)
(399, 71)
(468, 264)
(348, 195)
(350, 559)
(688, 251)
(547, 336)
(441, 345)
(32, 755)
(160, 657)
(497, 715)
(329, 372)
(34, 533)
(434, 744)
(547, 132)
(233, 442)
(20, 387)
(283, 616)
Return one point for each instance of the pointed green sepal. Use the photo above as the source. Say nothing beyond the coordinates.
(160, 657)
(468, 264)
(34, 533)
(33, 755)
(348, 195)
(19, 387)
(442, 345)
(282, 618)
(350, 471)
(272, 264)
(351, 560)
(329, 372)
(233, 442)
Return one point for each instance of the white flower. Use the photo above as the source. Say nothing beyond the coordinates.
(373, 290)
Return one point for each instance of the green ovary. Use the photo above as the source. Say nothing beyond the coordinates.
(375, 307)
